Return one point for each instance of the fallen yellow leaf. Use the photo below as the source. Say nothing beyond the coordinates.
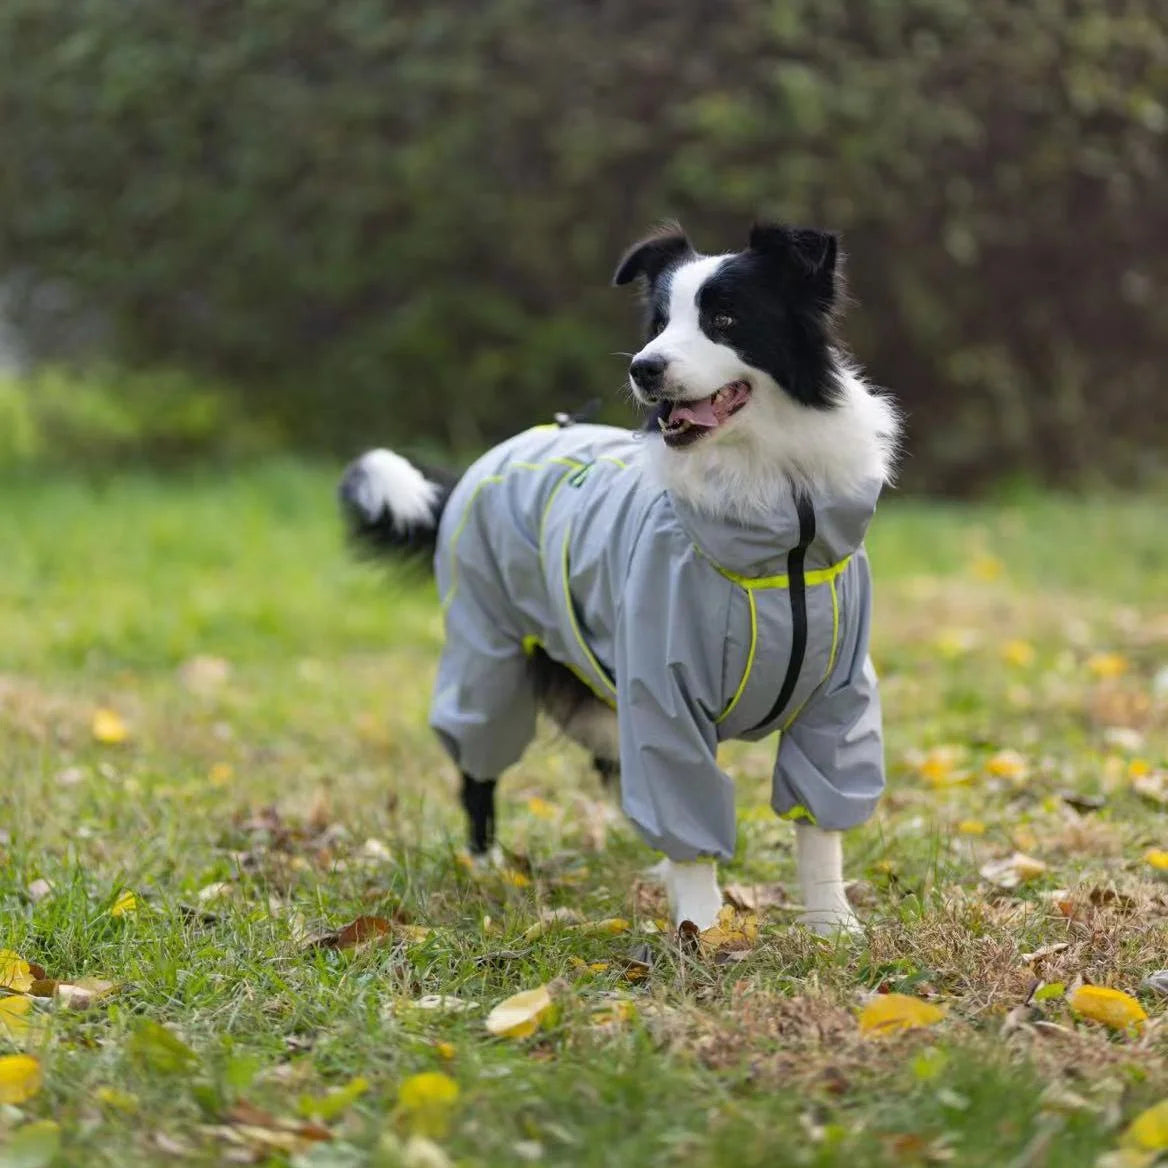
(1017, 653)
(1149, 1130)
(986, 568)
(20, 1078)
(1024, 838)
(514, 877)
(13, 1023)
(328, 1106)
(1107, 666)
(971, 827)
(32, 1145)
(541, 808)
(425, 1102)
(611, 925)
(425, 1089)
(414, 934)
(220, 774)
(1157, 858)
(520, 1015)
(732, 930)
(127, 902)
(549, 919)
(888, 1013)
(445, 1050)
(1008, 764)
(15, 972)
(938, 766)
(109, 728)
(117, 1099)
(614, 1012)
(1113, 1008)
(954, 643)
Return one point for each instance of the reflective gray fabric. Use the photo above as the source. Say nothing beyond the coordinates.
(559, 537)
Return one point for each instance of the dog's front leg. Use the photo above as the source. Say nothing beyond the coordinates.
(694, 894)
(478, 799)
(820, 857)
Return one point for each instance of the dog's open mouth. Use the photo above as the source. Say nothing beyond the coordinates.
(683, 423)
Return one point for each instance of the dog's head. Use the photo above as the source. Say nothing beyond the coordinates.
(724, 329)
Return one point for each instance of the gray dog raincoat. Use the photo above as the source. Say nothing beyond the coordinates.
(696, 630)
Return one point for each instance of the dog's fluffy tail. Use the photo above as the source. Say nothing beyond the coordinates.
(393, 507)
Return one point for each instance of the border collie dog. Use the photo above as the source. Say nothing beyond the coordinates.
(658, 592)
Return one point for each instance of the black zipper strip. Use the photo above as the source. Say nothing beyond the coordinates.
(797, 588)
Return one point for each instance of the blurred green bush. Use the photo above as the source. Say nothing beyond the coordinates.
(62, 417)
(399, 220)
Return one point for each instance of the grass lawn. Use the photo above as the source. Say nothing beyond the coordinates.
(275, 779)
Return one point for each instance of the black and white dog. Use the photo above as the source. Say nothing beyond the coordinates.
(659, 592)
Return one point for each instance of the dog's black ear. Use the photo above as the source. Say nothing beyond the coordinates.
(649, 258)
(814, 252)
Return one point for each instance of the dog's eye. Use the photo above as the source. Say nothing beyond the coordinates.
(723, 321)
(657, 328)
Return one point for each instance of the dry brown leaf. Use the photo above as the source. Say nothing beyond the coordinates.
(245, 1114)
(1045, 951)
(1157, 982)
(1110, 898)
(363, 930)
(84, 992)
(171, 1146)
(445, 1003)
(754, 897)
(204, 674)
(552, 918)
(1012, 871)
(1153, 786)
(1083, 803)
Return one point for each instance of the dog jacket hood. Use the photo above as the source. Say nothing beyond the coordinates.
(694, 630)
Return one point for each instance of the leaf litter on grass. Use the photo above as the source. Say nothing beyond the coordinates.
(784, 1019)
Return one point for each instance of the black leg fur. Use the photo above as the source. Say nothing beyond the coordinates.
(478, 797)
(607, 770)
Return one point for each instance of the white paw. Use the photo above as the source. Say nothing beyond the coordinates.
(492, 860)
(694, 894)
(834, 921)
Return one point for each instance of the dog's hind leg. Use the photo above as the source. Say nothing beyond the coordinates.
(478, 800)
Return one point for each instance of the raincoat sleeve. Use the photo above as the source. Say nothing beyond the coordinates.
(830, 766)
(670, 644)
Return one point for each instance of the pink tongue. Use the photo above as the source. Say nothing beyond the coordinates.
(699, 413)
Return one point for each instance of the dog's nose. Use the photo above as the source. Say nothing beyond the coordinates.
(647, 374)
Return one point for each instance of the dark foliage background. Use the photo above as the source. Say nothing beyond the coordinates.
(360, 219)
